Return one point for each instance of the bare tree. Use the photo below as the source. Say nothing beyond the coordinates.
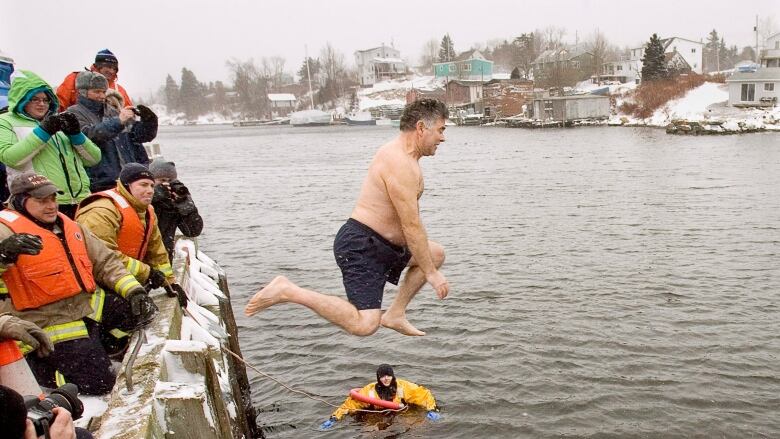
(251, 86)
(598, 47)
(429, 55)
(335, 72)
(552, 37)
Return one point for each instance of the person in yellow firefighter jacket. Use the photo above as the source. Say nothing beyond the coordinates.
(52, 267)
(125, 220)
(387, 388)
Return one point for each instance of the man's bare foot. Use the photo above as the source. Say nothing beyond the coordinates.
(401, 325)
(271, 294)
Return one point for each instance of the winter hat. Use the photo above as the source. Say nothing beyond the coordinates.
(133, 172)
(162, 168)
(91, 81)
(32, 184)
(115, 99)
(105, 56)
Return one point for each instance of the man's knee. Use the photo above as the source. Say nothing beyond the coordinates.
(363, 330)
(366, 324)
(437, 254)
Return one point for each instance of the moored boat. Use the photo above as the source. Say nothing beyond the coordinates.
(310, 118)
(360, 119)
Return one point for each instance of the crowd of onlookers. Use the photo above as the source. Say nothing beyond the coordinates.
(88, 225)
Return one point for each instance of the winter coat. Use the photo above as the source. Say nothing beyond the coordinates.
(182, 214)
(103, 218)
(24, 146)
(118, 146)
(407, 393)
(107, 270)
(67, 93)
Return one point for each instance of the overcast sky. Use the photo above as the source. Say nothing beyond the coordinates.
(153, 38)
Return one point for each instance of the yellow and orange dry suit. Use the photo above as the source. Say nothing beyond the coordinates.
(407, 393)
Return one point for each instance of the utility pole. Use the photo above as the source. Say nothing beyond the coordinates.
(308, 73)
(756, 30)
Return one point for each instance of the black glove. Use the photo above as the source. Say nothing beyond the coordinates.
(179, 192)
(175, 290)
(70, 124)
(28, 332)
(145, 131)
(146, 113)
(156, 279)
(142, 307)
(51, 124)
(17, 244)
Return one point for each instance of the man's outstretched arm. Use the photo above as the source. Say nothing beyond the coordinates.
(402, 187)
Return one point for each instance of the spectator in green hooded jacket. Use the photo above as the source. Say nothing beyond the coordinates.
(33, 137)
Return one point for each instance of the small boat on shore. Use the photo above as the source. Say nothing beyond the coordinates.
(310, 118)
(360, 119)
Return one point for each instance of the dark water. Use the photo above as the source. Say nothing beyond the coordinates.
(606, 282)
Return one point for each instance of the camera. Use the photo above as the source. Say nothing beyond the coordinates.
(178, 188)
(39, 411)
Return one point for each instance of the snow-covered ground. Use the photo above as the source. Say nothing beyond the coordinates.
(394, 92)
(706, 103)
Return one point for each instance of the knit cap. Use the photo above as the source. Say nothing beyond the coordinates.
(107, 57)
(133, 172)
(162, 168)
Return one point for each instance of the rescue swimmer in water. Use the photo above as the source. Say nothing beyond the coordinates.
(386, 388)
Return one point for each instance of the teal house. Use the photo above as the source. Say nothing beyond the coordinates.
(470, 65)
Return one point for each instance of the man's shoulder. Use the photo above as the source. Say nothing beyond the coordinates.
(96, 203)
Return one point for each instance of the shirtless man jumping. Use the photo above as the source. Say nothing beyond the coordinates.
(383, 235)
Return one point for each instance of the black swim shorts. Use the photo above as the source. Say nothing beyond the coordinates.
(367, 260)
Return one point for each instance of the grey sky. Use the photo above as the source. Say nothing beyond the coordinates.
(154, 38)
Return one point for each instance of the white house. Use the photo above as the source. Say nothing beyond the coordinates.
(623, 70)
(754, 89)
(770, 56)
(759, 87)
(691, 51)
(379, 64)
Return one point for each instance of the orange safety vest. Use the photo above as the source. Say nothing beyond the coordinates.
(60, 270)
(132, 238)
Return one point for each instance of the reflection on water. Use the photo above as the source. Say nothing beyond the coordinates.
(606, 282)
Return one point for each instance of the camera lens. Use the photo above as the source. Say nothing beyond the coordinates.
(66, 397)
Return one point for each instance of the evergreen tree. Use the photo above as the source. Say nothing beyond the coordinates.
(446, 49)
(171, 93)
(515, 74)
(711, 52)
(314, 68)
(191, 94)
(653, 63)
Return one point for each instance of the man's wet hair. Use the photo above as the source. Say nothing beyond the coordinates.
(426, 110)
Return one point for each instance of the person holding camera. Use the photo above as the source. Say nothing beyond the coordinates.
(116, 132)
(23, 416)
(33, 137)
(173, 204)
(52, 267)
(107, 64)
(125, 220)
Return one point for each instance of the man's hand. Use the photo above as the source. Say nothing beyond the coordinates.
(156, 278)
(28, 332)
(62, 427)
(126, 115)
(142, 306)
(17, 244)
(439, 283)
